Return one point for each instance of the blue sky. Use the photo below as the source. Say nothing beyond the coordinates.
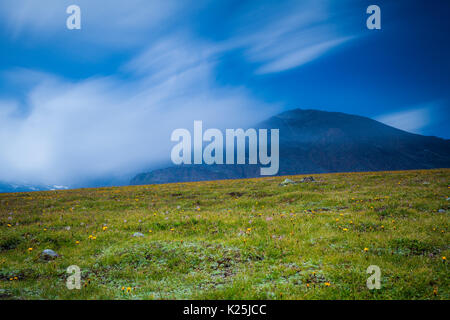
(101, 101)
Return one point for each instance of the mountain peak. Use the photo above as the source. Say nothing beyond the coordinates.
(315, 141)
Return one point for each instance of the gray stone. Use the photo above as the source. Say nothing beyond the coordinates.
(137, 234)
(287, 182)
(441, 210)
(49, 254)
(308, 179)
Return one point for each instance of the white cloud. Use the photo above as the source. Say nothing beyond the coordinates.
(412, 120)
(103, 126)
(113, 22)
(289, 35)
(299, 33)
(300, 57)
(73, 131)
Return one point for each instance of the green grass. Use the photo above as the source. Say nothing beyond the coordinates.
(234, 239)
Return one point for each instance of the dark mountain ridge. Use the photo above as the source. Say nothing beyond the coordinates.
(313, 141)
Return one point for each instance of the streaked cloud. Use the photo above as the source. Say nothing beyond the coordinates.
(305, 31)
(105, 126)
(61, 131)
(293, 34)
(300, 57)
(412, 120)
(112, 23)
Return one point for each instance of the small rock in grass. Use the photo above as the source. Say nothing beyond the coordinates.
(287, 182)
(137, 234)
(441, 210)
(48, 254)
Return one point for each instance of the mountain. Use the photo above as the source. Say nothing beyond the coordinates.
(14, 187)
(313, 141)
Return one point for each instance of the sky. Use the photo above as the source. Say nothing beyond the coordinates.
(99, 103)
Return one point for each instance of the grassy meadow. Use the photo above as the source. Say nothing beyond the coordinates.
(233, 239)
